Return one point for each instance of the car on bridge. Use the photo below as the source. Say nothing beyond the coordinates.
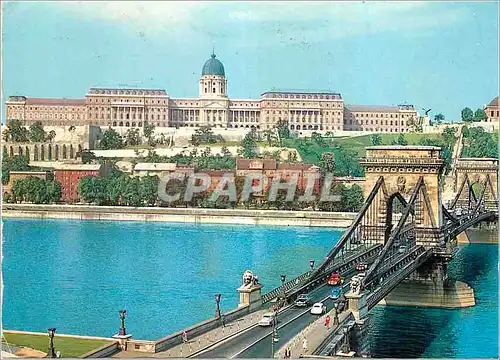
(361, 266)
(335, 294)
(303, 300)
(267, 319)
(334, 279)
(318, 309)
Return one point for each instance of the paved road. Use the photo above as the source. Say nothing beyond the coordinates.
(259, 336)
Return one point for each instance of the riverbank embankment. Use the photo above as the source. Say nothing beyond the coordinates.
(186, 215)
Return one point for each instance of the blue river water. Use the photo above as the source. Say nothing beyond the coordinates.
(76, 275)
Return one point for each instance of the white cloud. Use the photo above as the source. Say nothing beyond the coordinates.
(307, 21)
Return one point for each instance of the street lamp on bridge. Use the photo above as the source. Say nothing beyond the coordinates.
(52, 352)
(121, 330)
(283, 278)
(217, 301)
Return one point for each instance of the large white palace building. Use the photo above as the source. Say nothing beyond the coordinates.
(125, 108)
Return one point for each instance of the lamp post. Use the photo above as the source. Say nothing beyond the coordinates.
(51, 353)
(311, 264)
(217, 301)
(274, 334)
(121, 330)
(283, 278)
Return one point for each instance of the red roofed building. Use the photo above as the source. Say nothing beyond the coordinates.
(286, 171)
(491, 110)
(68, 176)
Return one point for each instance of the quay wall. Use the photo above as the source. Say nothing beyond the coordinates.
(183, 215)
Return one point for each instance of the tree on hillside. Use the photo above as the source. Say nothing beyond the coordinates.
(250, 145)
(111, 140)
(149, 130)
(402, 140)
(327, 162)
(51, 135)
(36, 132)
(467, 115)
(376, 139)
(270, 136)
(204, 135)
(480, 115)
(439, 118)
(16, 132)
(132, 137)
(283, 130)
(13, 163)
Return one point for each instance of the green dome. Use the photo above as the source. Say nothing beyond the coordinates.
(213, 67)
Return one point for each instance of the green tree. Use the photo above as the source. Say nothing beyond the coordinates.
(132, 137)
(327, 162)
(480, 115)
(402, 140)
(93, 189)
(347, 163)
(352, 198)
(204, 135)
(13, 163)
(36, 132)
(51, 135)
(225, 151)
(376, 139)
(467, 115)
(270, 135)
(36, 190)
(16, 132)
(283, 130)
(87, 156)
(111, 140)
(149, 130)
(149, 189)
(250, 145)
(439, 118)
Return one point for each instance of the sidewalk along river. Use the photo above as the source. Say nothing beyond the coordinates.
(76, 275)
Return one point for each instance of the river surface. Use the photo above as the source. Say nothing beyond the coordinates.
(76, 275)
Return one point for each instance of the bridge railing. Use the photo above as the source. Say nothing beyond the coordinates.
(404, 271)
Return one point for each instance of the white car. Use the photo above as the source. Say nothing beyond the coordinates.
(318, 309)
(267, 319)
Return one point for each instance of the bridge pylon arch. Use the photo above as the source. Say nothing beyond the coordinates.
(402, 169)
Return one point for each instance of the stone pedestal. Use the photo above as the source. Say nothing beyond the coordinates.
(357, 304)
(122, 340)
(444, 295)
(250, 296)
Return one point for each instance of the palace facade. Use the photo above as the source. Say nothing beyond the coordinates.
(126, 108)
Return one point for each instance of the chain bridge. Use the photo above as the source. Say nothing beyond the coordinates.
(403, 225)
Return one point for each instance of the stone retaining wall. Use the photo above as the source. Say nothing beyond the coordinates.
(220, 216)
(104, 351)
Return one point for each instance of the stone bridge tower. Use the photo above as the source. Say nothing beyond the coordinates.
(401, 168)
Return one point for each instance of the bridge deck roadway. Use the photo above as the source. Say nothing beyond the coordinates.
(256, 342)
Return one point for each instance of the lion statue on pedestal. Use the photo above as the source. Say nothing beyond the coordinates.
(249, 279)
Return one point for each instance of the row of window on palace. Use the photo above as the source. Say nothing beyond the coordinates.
(127, 101)
(492, 113)
(387, 122)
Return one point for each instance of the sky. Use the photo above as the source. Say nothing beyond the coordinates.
(437, 55)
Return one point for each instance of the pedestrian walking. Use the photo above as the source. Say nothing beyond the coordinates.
(184, 337)
(304, 345)
(327, 321)
(289, 353)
